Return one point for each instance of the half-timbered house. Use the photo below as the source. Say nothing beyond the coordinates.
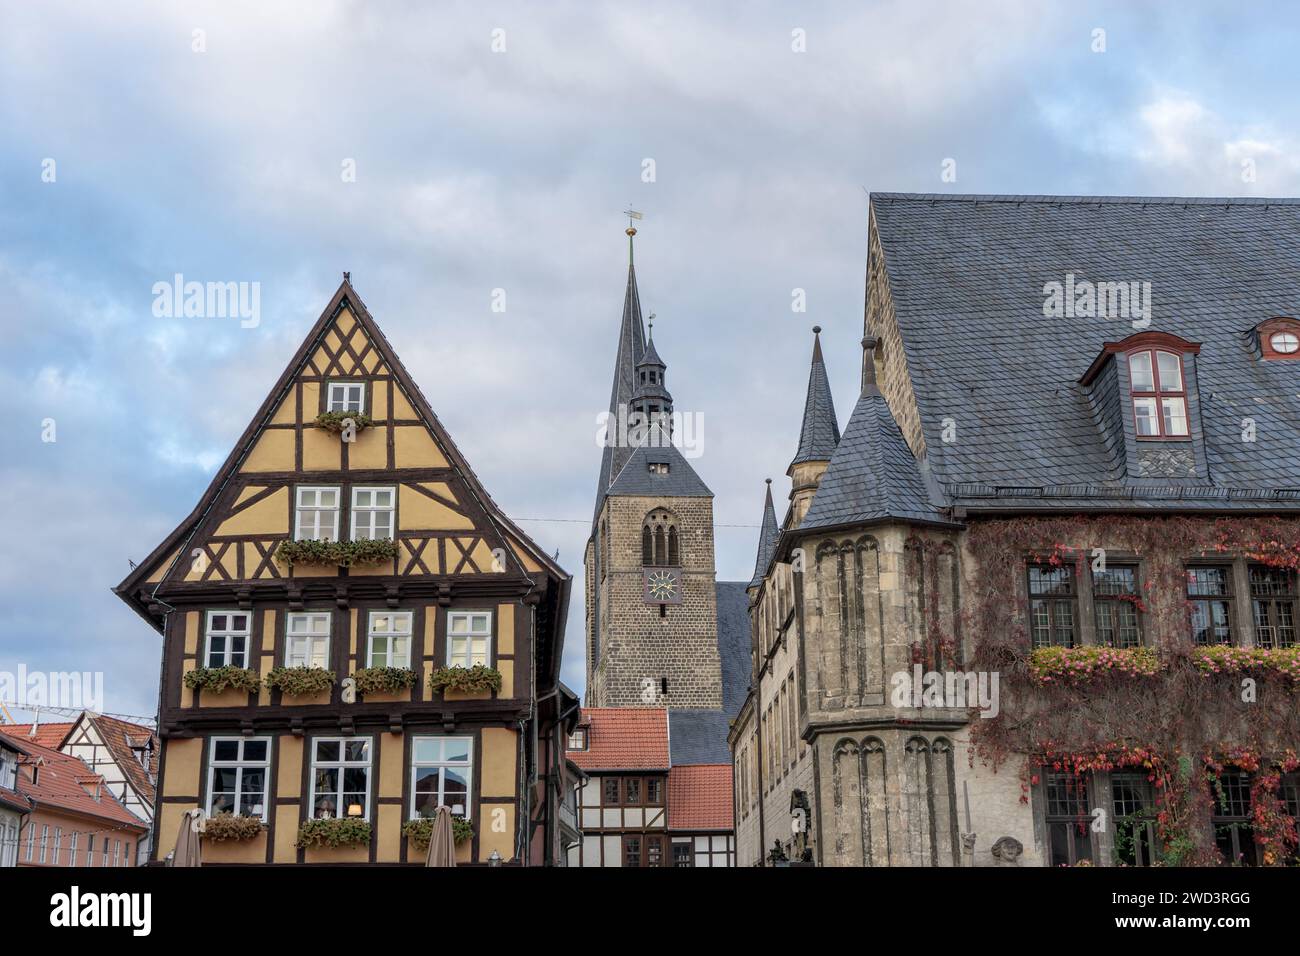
(354, 633)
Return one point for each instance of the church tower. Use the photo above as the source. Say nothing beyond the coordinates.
(651, 610)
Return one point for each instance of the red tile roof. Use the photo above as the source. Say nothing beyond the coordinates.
(59, 785)
(119, 736)
(624, 738)
(699, 797)
(47, 735)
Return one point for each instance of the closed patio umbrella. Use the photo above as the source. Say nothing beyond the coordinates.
(189, 850)
(442, 844)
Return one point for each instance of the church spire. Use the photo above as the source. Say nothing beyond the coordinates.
(821, 432)
(631, 348)
(767, 537)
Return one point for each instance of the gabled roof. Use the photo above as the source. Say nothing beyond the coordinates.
(63, 784)
(47, 735)
(121, 737)
(767, 537)
(967, 278)
(636, 478)
(344, 297)
(624, 738)
(872, 476)
(820, 432)
(700, 798)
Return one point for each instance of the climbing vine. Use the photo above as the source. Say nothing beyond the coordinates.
(1179, 713)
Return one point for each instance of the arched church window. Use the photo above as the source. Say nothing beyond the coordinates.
(659, 540)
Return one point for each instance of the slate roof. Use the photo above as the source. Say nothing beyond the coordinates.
(967, 276)
(637, 479)
(700, 798)
(624, 738)
(697, 735)
(820, 432)
(767, 537)
(631, 346)
(873, 475)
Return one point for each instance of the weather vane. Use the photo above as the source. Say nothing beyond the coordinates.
(631, 215)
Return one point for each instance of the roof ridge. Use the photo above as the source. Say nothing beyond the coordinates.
(1049, 199)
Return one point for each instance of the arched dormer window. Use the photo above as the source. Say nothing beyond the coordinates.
(1159, 393)
(1155, 365)
(659, 540)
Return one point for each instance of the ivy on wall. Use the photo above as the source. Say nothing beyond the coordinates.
(1182, 714)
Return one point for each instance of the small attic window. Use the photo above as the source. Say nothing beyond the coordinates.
(1286, 343)
(1159, 395)
(345, 397)
(1279, 339)
(658, 467)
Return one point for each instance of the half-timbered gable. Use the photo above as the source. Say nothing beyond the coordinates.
(346, 533)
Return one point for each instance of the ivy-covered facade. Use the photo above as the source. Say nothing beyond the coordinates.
(1037, 605)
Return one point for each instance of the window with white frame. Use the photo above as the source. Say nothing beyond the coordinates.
(237, 772)
(72, 848)
(90, 849)
(372, 513)
(104, 861)
(8, 770)
(316, 517)
(441, 771)
(469, 638)
(389, 639)
(45, 841)
(340, 777)
(58, 845)
(346, 397)
(227, 638)
(307, 640)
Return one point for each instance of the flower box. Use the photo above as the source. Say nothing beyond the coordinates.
(301, 681)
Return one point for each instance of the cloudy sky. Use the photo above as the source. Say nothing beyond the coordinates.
(220, 155)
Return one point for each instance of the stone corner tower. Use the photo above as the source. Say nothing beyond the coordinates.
(651, 609)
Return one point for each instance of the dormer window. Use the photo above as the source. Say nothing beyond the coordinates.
(658, 467)
(1159, 395)
(1279, 339)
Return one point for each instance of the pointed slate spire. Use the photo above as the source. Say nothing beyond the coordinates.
(767, 537)
(873, 475)
(821, 432)
(631, 348)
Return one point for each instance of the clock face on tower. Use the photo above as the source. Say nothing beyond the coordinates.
(662, 585)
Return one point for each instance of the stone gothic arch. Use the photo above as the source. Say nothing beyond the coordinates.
(860, 812)
(852, 646)
(929, 803)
